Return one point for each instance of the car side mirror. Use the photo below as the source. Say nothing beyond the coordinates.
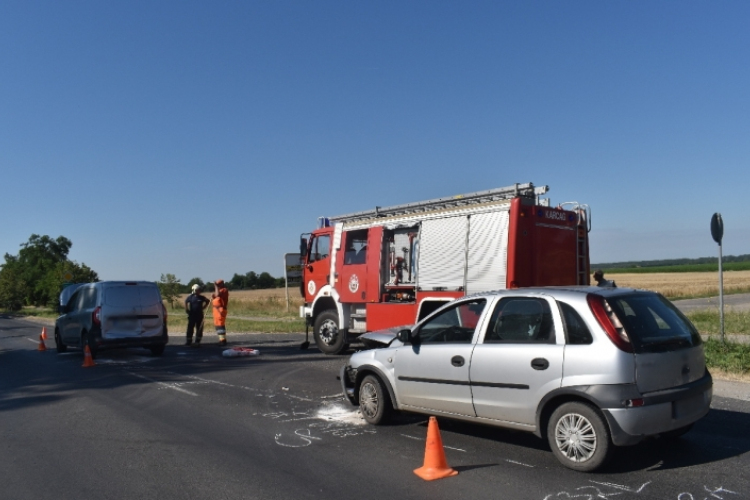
(404, 336)
(60, 309)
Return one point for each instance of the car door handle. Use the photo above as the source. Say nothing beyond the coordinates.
(457, 361)
(539, 364)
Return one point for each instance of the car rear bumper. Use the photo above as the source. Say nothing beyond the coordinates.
(662, 412)
(123, 342)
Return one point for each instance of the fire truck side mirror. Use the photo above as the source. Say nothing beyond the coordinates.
(404, 336)
(302, 248)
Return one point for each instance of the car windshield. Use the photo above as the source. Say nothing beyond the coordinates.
(653, 324)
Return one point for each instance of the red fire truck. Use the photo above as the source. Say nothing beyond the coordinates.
(392, 266)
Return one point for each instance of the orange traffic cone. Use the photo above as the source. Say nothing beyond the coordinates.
(435, 466)
(41, 347)
(88, 361)
(44, 333)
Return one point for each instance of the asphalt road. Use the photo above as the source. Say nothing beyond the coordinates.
(195, 425)
(736, 302)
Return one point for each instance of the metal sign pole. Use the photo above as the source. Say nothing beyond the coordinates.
(721, 295)
(717, 233)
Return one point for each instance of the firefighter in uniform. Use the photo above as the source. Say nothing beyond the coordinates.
(195, 304)
(220, 300)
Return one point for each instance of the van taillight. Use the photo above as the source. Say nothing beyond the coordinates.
(165, 313)
(609, 322)
(96, 316)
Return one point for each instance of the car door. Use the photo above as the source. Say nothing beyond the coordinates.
(71, 322)
(518, 360)
(432, 373)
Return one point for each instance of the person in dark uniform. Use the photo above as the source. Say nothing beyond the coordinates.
(600, 281)
(195, 304)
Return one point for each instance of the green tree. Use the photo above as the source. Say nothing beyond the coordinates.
(12, 287)
(265, 280)
(169, 286)
(37, 273)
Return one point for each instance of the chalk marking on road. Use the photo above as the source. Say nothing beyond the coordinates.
(411, 437)
(332, 396)
(32, 340)
(519, 463)
(623, 488)
(164, 384)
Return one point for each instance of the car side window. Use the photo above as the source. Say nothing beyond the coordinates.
(454, 325)
(521, 320)
(74, 303)
(576, 331)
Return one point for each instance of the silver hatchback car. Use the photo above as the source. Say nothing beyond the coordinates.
(584, 367)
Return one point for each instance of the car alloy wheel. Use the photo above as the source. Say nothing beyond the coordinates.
(575, 437)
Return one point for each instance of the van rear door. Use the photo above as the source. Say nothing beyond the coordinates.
(132, 309)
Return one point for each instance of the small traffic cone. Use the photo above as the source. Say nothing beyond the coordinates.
(88, 361)
(41, 347)
(44, 333)
(435, 466)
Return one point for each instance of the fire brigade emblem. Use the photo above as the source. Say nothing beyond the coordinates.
(353, 283)
(311, 287)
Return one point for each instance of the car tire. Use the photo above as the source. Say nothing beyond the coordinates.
(329, 338)
(157, 350)
(59, 345)
(374, 401)
(676, 433)
(579, 436)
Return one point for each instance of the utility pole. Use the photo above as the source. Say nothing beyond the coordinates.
(717, 232)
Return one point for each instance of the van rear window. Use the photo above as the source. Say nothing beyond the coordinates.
(653, 324)
(135, 295)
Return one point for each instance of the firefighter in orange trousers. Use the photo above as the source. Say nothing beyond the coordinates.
(220, 300)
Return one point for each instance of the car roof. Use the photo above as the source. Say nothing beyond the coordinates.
(561, 291)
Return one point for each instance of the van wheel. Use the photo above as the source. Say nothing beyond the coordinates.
(579, 436)
(157, 350)
(374, 401)
(328, 337)
(59, 343)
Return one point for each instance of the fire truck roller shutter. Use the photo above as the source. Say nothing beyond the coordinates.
(442, 253)
(488, 252)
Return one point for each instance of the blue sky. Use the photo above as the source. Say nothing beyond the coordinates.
(201, 138)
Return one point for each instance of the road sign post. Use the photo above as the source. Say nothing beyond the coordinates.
(717, 233)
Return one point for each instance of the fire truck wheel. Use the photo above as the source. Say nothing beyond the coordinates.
(329, 338)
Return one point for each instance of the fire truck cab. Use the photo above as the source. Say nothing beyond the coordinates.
(392, 266)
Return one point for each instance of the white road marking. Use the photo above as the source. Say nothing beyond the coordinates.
(32, 340)
(518, 463)
(444, 446)
(164, 384)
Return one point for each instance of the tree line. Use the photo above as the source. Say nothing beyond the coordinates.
(671, 262)
(36, 275)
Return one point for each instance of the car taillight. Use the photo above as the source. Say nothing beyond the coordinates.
(609, 322)
(165, 313)
(96, 316)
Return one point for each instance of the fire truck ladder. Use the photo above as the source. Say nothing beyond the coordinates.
(461, 200)
(584, 227)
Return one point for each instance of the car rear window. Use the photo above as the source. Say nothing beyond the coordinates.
(132, 295)
(653, 324)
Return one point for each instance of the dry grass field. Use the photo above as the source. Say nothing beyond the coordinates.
(685, 285)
